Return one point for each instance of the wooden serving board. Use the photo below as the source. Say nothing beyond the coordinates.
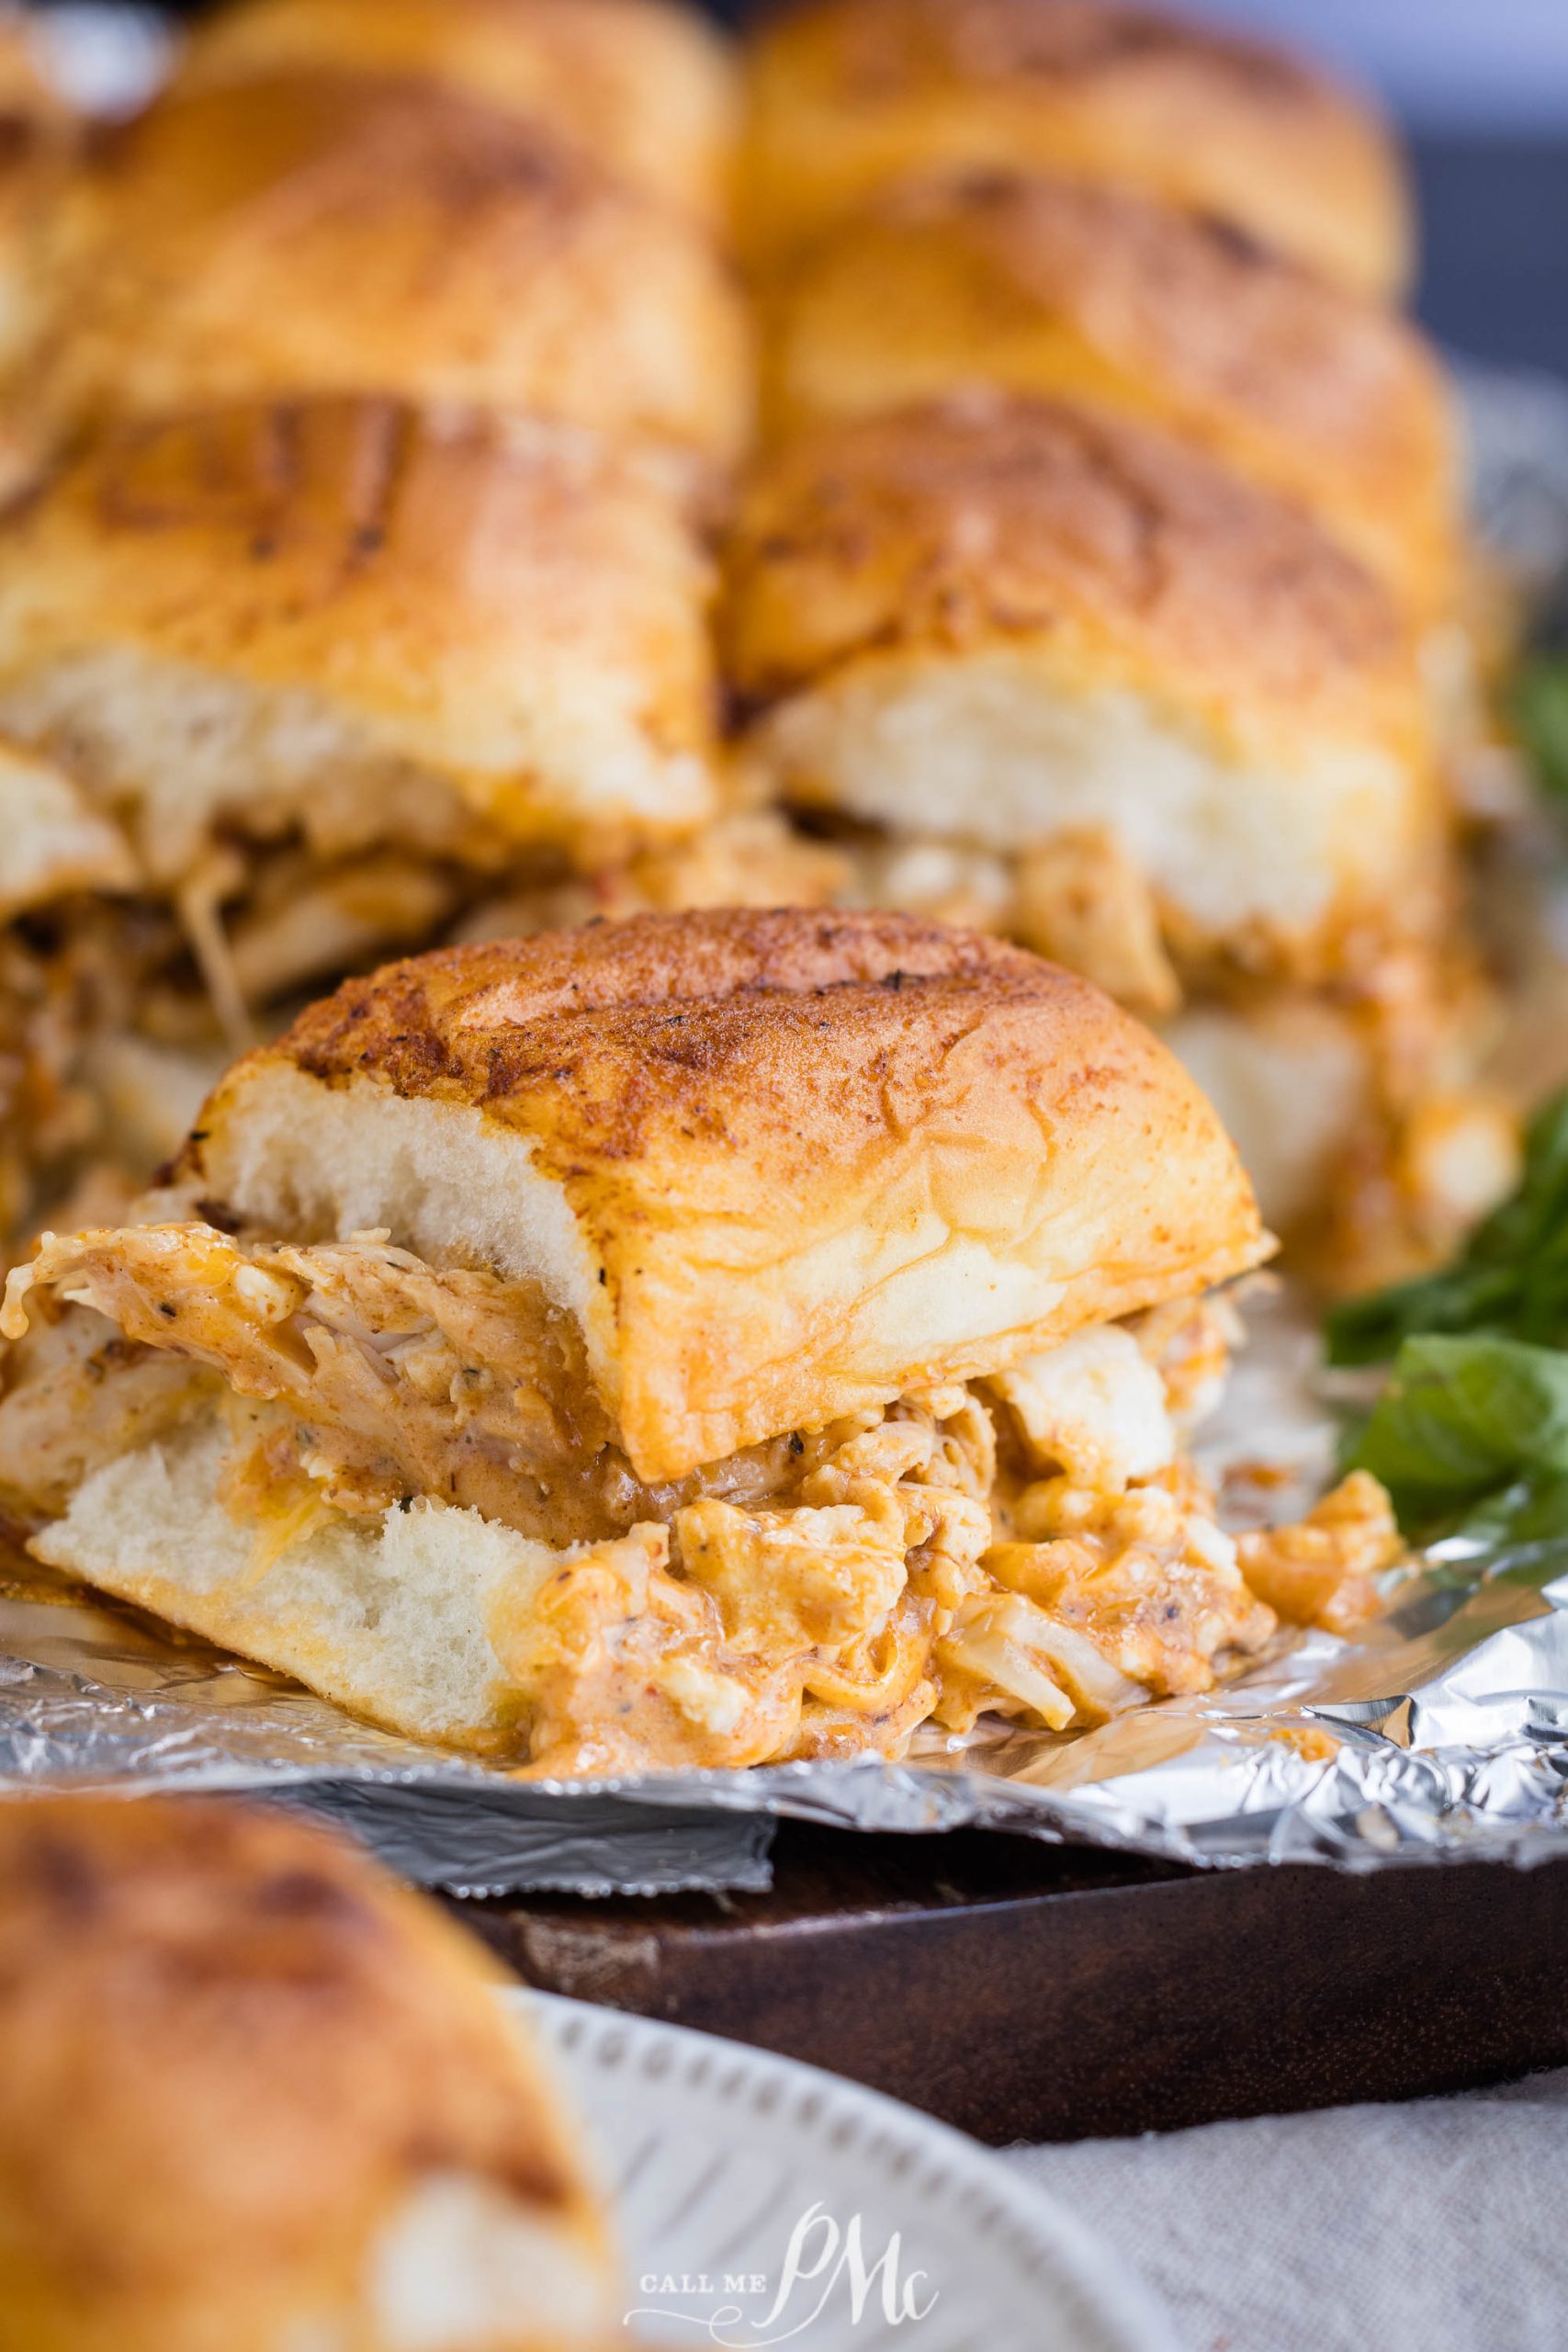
(1025, 1992)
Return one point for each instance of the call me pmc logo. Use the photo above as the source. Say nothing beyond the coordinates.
(824, 2265)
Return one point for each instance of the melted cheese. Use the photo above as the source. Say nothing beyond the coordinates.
(1094, 1408)
(1034, 1545)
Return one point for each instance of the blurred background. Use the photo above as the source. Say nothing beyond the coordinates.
(1482, 89)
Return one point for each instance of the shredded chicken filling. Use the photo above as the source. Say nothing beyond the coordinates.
(66, 975)
(1037, 1545)
(252, 922)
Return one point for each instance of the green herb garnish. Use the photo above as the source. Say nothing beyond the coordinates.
(1538, 703)
(1461, 1421)
(1471, 1435)
(1510, 1281)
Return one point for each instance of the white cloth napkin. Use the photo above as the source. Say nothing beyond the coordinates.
(1439, 2226)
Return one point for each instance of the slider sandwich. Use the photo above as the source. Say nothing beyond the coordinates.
(1035, 283)
(316, 233)
(315, 679)
(349, 624)
(647, 86)
(1038, 666)
(1031, 283)
(382, 384)
(851, 96)
(257, 2095)
(699, 1341)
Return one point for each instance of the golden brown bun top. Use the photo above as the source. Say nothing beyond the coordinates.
(620, 1033)
(1043, 284)
(313, 231)
(422, 571)
(320, 137)
(207, 149)
(227, 2045)
(812, 1161)
(334, 497)
(982, 518)
(649, 87)
(866, 91)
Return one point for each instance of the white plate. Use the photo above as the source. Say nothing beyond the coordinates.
(718, 2156)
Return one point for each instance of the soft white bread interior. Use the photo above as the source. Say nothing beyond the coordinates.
(54, 839)
(646, 86)
(776, 1166)
(364, 623)
(393, 1615)
(995, 621)
(1369, 1130)
(1295, 1080)
(299, 2113)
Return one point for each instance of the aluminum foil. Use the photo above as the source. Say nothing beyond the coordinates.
(1444, 1734)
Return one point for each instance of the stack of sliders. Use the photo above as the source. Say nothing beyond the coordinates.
(1100, 576)
(700, 1340)
(390, 374)
(255, 2095)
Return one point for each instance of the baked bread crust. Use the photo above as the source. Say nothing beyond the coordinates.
(229, 2047)
(312, 232)
(649, 87)
(986, 519)
(515, 614)
(850, 95)
(1018, 622)
(1038, 284)
(806, 1162)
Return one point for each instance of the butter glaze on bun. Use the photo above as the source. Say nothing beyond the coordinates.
(253, 2093)
(365, 622)
(315, 232)
(997, 619)
(777, 1166)
(848, 95)
(1036, 284)
(648, 88)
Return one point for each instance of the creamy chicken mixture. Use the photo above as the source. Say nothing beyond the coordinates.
(40, 1113)
(1080, 898)
(1037, 1545)
(66, 976)
(95, 992)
